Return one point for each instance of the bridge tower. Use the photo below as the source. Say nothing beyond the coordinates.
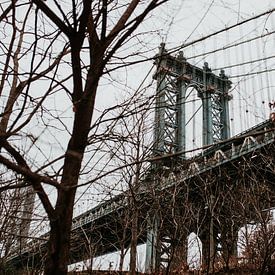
(174, 76)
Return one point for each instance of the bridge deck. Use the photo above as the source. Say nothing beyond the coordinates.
(245, 143)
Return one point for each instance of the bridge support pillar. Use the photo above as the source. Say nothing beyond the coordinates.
(209, 249)
(215, 100)
(152, 243)
(229, 241)
(179, 257)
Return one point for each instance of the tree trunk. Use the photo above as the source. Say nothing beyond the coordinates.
(59, 243)
(121, 260)
(133, 252)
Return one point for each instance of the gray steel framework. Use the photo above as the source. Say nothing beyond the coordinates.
(174, 76)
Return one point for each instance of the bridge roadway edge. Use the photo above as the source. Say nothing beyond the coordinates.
(246, 144)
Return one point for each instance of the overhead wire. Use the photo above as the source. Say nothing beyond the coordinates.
(244, 63)
(232, 45)
(252, 73)
(184, 45)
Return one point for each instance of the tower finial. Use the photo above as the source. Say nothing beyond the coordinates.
(180, 56)
(162, 49)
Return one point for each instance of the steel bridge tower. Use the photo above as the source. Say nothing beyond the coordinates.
(174, 76)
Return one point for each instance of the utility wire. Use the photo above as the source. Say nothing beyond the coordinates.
(176, 49)
(201, 20)
(244, 63)
(233, 45)
(173, 50)
(252, 73)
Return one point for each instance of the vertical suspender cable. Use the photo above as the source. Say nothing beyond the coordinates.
(259, 49)
(253, 84)
(239, 96)
(271, 46)
(228, 62)
(245, 86)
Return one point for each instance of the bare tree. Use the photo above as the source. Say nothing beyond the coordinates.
(135, 147)
(91, 33)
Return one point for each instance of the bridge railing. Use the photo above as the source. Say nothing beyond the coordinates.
(240, 145)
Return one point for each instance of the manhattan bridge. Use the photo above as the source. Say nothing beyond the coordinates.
(212, 189)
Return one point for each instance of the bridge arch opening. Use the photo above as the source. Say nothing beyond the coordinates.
(194, 251)
(193, 121)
